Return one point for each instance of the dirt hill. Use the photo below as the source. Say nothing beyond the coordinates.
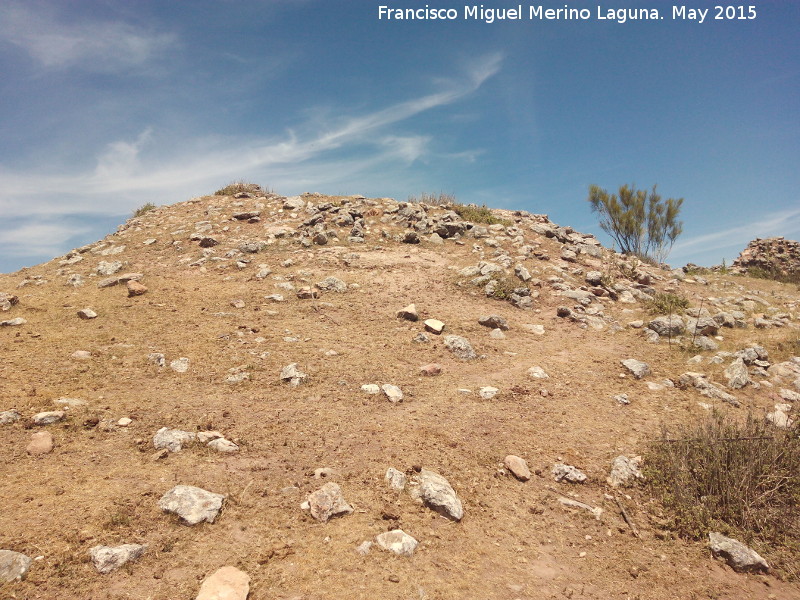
(196, 310)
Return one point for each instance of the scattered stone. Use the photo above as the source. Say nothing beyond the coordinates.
(396, 479)
(226, 583)
(670, 325)
(437, 494)
(306, 293)
(173, 439)
(789, 395)
(15, 322)
(408, 313)
(124, 421)
(596, 511)
(192, 504)
(7, 301)
(494, 321)
(535, 329)
(332, 284)
(622, 399)
(87, 313)
(624, 471)
(292, 375)
(7, 417)
(392, 392)
(737, 374)
(637, 368)
(364, 547)
(488, 392)
(397, 541)
(434, 326)
(518, 467)
(460, 347)
(157, 359)
(537, 373)
(81, 354)
(779, 418)
(41, 443)
(497, 334)
(370, 388)
(421, 338)
(706, 388)
(180, 365)
(49, 417)
(107, 558)
(223, 445)
(738, 556)
(562, 472)
(431, 369)
(327, 502)
(14, 565)
(705, 343)
(136, 289)
(108, 268)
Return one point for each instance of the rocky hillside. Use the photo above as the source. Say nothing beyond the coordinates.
(341, 397)
(774, 256)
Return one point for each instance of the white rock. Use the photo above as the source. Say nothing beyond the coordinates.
(9, 416)
(518, 467)
(370, 388)
(223, 445)
(14, 565)
(434, 326)
(488, 392)
(398, 542)
(180, 365)
(396, 479)
(562, 472)
(738, 556)
(537, 373)
(172, 439)
(192, 504)
(437, 494)
(292, 375)
(328, 502)
(15, 322)
(638, 368)
(392, 392)
(106, 558)
(226, 583)
(87, 313)
(624, 470)
(49, 417)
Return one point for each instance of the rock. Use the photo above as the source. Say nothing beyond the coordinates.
(438, 495)
(15, 322)
(41, 443)
(430, 369)
(158, 359)
(106, 558)
(226, 583)
(364, 548)
(562, 472)
(622, 399)
(223, 445)
(292, 375)
(327, 502)
(208, 242)
(392, 392)
(773, 255)
(409, 313)
(370, 388)
(180, 365)
(738, 556)
(411, 237)
(331, 284)
(518, 467)
(204, 437)
(136, 289)
(7, 417)
(670, 325)
(49, 417)
(435, 238)
(192, 504)
(497, 334)
(87, 313)
(624, 471)
(125, 422)
(434, 326)
(397, 541)
(705, 343)
(494, 321)
(108, 268)
(250, 247)
(596, 511)
(173, 439)
(306, 293)
(488, 392)
(779, 418)
(523, 273)
(537, 373)
(81, 354)
(534, 328)
(320, 239)
(421, 338)
(706, 388)
(7, 301)
(789, 395)
(737, 374)
(14, 565)
(637, 368)
(396, 479)
(594, 278)
(460, 347)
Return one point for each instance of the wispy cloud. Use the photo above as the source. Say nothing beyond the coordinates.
(90, 44)
(38, 239)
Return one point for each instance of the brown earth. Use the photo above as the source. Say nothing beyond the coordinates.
(102, 482)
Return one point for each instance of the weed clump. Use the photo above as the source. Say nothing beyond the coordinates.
(143, 209)
(667, 303)
(237, 187)
(478, 214)
(440, 199)
(736, 477)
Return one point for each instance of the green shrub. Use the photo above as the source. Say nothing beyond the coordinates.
(774, 274)
(667, 303)
(144, 208)
(239, 186)
(737, 477)
(478, 214)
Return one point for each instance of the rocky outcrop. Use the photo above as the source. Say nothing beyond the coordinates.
(775, 255)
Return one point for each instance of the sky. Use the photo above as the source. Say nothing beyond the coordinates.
(106, 105)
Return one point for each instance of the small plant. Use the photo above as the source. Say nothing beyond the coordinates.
(667, 303)
(504, 286)
(774, 274)
(440, 199)
(237, 187)
(479, 214)
(731, 476)
(143, 209)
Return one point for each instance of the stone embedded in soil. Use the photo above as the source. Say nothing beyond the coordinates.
(157, 359)
(779, 418)
(331, 284)
(670, 325)
(637, 368)
(737, 374)
(226, 583)
(7, 417)
(437, 494)
(396, 479)
(328, 502)
(41, 443)
(136, 289)
(739, 557)
(398, 542)
(87, 313)
(370, 388)
(409, 313)
(49, 417)
(363, 548)
(460, 347)
(7, 301)
(107, 558)
(307, 293)
(518, 467)
(494, 322)
(180, 365)
(537, 373)
(706, 388)
(292, 375)
(14, 565)
(392, 392)
(192, 504)
(562, 472)
(624, 471)
(81, 355)
(497, 334)
(15, 322)
(434, 326)
(488, 392)
(223, 445)
(172, 439)
(431, 369)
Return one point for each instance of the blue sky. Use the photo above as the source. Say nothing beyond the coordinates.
(110, 104)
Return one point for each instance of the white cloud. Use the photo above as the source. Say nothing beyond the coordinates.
(89, 44)
(38, 239)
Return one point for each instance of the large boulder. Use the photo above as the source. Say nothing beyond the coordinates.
(738, 556)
